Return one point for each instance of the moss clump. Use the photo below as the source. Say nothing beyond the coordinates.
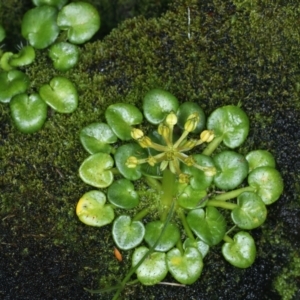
(222, 54)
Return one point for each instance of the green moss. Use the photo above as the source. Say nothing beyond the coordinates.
(223, 55)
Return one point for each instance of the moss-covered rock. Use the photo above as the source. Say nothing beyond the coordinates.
(212, 52)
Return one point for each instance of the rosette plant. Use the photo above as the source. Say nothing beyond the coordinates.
(165, 163)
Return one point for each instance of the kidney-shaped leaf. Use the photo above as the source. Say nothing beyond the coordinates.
(127, 234)
(209, 224)
(241, 251)
(96, 170)
(12, 83)
(80, 19)
(157, 104)
(120, 117)
(198, 244)
(96, 137)
(260, 158)
(168, 239)
(186, 268)
(231, 123)
(92, 210)
(153, 269)
(28, 112)
(251, 211)
(122, 194)
(188, 197)
(232, 169)
(267, 183)
(60, 94)
(39, 26)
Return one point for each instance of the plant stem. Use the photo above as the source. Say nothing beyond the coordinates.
(168, 191)
(179, 246)
(153, 183)
(227, 239)
(185, 225)
(211, 147)
(223, 204)
(233, 194)
(140, 215)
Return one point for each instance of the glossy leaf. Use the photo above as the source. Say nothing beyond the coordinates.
(251, 211)
(80, 19)
(39, 26)
(25, 57)
(260, 158)
(232, 169)
(186, 268)
(267, 183)
(198, 244)
(64, 55)
(157, 104)
(241, 251)
(121, 156)
(122, 194)
(153, 269)
(120, 117)
(167, 240)
(60, 94)
(92, 210)
(12, 83)
(96, 170)
(29, 113)
(230, 123)
(209, 224)
(127, 234)
(96, 137)
(188, 108)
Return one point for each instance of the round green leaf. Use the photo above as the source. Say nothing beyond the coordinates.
(121, 156)
(96, 170)
(127, 234)
(251, 211)
(120, 117)
(185, 110)
(153, 269)
(57, 3)
(209, 225)
(267, 182)
(96, 137)
(80, 19)
(167, 240)
(12, 83)
(241, 252)
(29, 113)
(188, 197)
(198, 179)
(39, 26)
(157, 104)
(198, 244)
(186, 268)
(64, 55)
(232, 169)
(231, 123)
(25, 57)
(122, 194)
(92, 210)
(60, 94)
(260, 158)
